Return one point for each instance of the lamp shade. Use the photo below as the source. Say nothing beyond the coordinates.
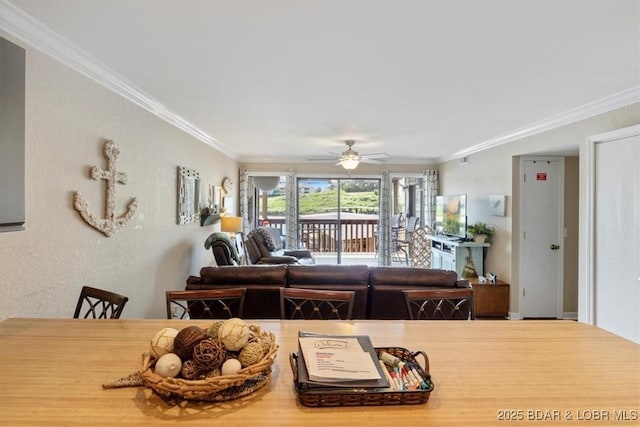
(349, 163)
(231, 224)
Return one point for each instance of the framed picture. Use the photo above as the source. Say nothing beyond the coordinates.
(498, 205)
(188, 195)
(217, 199)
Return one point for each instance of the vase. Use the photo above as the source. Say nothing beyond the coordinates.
(479, 238)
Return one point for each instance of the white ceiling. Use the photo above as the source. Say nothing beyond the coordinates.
(423, 81)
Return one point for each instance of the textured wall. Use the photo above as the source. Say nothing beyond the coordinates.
(68, 118)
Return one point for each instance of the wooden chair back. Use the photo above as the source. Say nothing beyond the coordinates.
(297, 303)
(205, 304)
(95, 303)
(440, 304)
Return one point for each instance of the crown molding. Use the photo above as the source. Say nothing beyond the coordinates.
(609, 103)
(32, 32)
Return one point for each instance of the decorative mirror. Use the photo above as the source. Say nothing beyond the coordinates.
(188, 195)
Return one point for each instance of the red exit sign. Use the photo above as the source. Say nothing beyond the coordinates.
(541, 176)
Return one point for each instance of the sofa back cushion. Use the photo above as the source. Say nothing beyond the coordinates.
(263, 283)
(334, 277)
(387, 283)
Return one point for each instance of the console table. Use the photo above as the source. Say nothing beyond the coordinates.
(451, 254)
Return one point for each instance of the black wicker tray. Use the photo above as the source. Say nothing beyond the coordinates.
(336, 396)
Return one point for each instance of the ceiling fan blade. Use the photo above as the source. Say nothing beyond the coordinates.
(372, 161)
(323, 159)
(375, 156)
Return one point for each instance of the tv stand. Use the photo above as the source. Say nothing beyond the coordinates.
(450, 253)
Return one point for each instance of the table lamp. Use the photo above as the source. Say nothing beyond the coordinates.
(233, 225)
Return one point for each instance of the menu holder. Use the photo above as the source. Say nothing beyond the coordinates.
(330, 361)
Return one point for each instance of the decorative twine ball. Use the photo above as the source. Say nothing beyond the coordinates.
(234, 333)
(231, 367)
(250, 354)
(162, 342)
(213, 329)
(189, 370)
(186, 340)
(209, 354)
(265, 344)
(168, 365)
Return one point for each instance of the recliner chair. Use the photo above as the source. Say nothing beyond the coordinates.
(224, 250)
(264, 245)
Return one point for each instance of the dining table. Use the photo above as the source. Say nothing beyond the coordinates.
(485, 372)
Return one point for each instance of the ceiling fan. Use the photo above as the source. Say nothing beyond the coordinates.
(350, 159)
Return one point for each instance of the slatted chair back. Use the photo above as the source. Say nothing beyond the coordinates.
(95, 303)
(205, 304)
(440, 304)
(308, 304)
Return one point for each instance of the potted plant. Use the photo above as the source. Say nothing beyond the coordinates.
(480, 231)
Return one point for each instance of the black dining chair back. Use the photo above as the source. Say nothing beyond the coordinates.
(205, 304)
(298, 303)
(95, 303)
(440, 304)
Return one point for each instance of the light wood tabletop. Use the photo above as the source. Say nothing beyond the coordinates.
(492, 372)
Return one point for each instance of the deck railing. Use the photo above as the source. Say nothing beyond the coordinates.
(321, 235)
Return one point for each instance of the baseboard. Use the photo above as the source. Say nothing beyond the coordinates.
(514, 315)
(570, 315)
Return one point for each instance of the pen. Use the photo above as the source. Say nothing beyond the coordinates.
(396, 370)
(387, 376)
(423, 384)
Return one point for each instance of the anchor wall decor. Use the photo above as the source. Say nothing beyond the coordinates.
(110, 223)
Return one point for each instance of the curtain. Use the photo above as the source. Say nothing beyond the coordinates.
(291, 217)
(384, 223)
(431, 190)
(247, 202)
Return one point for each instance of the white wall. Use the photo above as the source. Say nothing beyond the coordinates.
(68, 118)
(494, 171)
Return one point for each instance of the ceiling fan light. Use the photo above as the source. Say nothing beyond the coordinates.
(349, 163)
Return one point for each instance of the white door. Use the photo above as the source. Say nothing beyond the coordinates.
(542, 230)
(617, 236)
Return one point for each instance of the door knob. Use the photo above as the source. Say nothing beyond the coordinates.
(554, 247)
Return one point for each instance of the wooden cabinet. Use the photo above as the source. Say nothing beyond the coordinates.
(490, 299)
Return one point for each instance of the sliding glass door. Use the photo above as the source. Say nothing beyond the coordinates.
(338, 219)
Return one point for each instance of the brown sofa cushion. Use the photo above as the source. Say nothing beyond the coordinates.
(335, 278)
(263, 283)
(387, 284)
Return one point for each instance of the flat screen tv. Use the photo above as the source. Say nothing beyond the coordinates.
(451, 215)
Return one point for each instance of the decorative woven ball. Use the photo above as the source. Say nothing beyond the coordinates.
(250, 354)
(162, 342)
(187, 339)
(189, 370)
(209, 354)
(231, 367)
(213, 329)
(168, 365)
(265, 344)
(234, 333)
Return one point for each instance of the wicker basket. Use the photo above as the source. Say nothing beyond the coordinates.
(337, 396)
(211, 389)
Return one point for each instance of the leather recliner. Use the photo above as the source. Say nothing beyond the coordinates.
(264, 245)
(224, 250)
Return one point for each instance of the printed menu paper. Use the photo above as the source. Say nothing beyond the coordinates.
(339, 360)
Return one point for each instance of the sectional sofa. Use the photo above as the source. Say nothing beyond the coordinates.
(378, 290)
